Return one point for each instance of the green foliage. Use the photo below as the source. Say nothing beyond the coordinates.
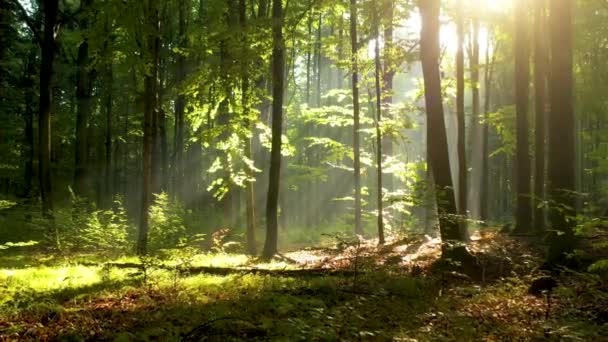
(107, 229)
(87, 229)
(167, 223)
(503, 122)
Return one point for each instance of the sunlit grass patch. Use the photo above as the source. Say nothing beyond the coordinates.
(220, 260)
(7, 204)
(41, 279)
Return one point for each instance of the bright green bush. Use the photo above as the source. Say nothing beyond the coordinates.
(167, 223)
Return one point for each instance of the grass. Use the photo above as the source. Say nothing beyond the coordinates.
(76, 298)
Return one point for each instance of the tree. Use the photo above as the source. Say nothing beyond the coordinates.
(438, 158)
(150, 101)
(561, 171)
(180, 104)
(484, 198)
(540, 89)
(83, 112)
(377, 77)
(250, 188)
(278, 74)
(462, 159)
(48, 46)
(388, 77)
(29, 120)
(109, 100)
(523, 213)
(356, 121)
(475, 129)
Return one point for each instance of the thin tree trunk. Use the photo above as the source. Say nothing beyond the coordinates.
(318, 56)
(378, 130)
(108, 191)
(475, 129)
(83, 112)
(28, 141)
(388, 77)
(250, 190)
(341, 51)
(355, 88)
(51, 9)
(162, 133)
(462, 160)
(150, 99)
(309, 59)
(484, 200)
(278, 74)
(109, 82)
(561, 175)
(180, 107)
(540, 88)
(522, 84)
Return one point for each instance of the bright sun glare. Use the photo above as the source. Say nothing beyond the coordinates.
(497, 5)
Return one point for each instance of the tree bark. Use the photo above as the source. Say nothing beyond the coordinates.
(523, 213)
(83, 112)
(561, 175)
(180, 107)
(278, 74)
(485, 166)
(378, 130)
(150, 99)
(462, 159)
(475, 129)
(318, 57)
(356, 110)
(540, 89)
(51, 10)
(109, 82)
(388, 77)
(246, 103)
(439, 161)
(28, 141)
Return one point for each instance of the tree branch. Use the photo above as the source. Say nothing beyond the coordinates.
(28, 20)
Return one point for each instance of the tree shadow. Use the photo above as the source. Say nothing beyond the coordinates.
(279, 309)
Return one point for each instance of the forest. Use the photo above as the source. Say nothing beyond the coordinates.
(303, 170)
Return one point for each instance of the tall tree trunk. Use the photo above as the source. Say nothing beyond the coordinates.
(540, 88)
(309, 58)
(318, 55)
(180, 107)
(223, 117)
(462, 159)
(438, 155)
(522, 84)
(246, 103)
(150, 93)
(341, 51)
(108, 191)
(561, 175)
(28, 139)
(475, 128)
(51, 9)
(484, 198)
(388, 77)
(278, 74)
(378, 130)
(109, 82)
(355, 87)
(83, 112)
(162, 132)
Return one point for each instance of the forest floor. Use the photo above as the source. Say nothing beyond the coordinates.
(349, 292)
